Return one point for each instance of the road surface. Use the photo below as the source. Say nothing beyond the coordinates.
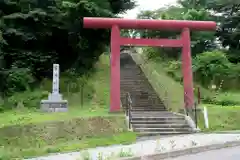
(221, 154)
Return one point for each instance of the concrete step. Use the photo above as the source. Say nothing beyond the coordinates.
(154, 121)
(163, 125)
(151, 96)
(161, 130)
(129, 89)
(138, 104)
(127, 69)
(145, 99)
(148, 108)
(136, 80)
(152, 113)
(139, 83)
(136, 88)
(129, 84)
(160, 118)
(132, 75)
(141, 134)
(131, 80)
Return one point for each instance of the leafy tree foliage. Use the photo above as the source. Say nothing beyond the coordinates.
(34, 34)
(215, 55)
(201, 41)
(227, 14)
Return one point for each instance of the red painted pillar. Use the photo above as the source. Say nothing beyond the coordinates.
(187, 69)
(115, 70)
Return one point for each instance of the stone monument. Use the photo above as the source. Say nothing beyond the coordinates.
(55, 103)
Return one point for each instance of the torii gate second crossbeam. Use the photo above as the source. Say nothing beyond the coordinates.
(115, 24)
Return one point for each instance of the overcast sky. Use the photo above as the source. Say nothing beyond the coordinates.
(148, 5)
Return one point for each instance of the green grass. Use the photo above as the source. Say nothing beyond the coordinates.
(21, 117)
(101, 82)
(221, 118)
(223, 98)
(74, 145)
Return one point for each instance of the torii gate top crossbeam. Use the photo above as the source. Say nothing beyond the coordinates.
(93, 22)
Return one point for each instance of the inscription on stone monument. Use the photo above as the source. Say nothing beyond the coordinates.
(55, 103)
(55, 84)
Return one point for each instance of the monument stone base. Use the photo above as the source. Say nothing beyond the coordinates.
(54, 103)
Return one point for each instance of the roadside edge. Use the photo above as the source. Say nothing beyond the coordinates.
(187, 151)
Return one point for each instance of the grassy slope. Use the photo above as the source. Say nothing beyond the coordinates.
(222, 118)
(62, 136)
(27, 133)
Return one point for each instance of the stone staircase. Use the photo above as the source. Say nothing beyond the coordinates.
(149, 115)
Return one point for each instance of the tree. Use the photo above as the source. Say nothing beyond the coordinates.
(36, 34)
(185, 10)
(227, 14)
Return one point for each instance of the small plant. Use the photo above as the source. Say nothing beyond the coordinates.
(238, 138)
(194, 143)
(158, 142)
(128, 153)
(85, 155)
(110, 157)
(100, 156)
(163, 148)
(160, 148)
(157, 145)
(173, 144)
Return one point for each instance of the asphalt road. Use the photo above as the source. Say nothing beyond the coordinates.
(221, 154)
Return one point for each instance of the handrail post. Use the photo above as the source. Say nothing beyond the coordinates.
(196, 118)
(129, 110)
(199, 95)
(127, 105)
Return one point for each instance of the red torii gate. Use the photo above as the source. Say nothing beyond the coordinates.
(115, 24)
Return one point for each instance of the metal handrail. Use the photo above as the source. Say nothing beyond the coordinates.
(129, 108)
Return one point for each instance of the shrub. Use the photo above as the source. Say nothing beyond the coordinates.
(29, 99)
(211, 67)
(152, 53)
(16, 80)
(224, 99)
(173, 68)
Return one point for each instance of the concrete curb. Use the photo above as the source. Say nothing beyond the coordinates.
(187, 151)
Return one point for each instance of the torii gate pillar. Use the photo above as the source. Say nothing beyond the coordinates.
(115, 24)
(115, 104)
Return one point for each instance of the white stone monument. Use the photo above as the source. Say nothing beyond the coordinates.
(55, 103)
